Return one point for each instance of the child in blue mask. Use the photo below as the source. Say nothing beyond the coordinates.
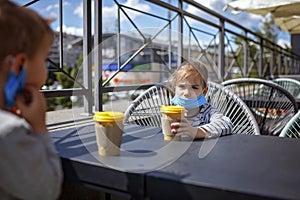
(201, 119)
(29, 167)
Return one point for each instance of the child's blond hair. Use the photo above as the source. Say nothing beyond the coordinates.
(194, 69)
(22, 30)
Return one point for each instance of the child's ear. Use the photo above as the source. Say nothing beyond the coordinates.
(205, 90)
(18, 62)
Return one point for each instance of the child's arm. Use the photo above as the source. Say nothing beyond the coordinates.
(30, 168)
(185, 128)
(218, 124)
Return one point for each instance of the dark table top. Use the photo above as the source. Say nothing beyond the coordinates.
(237, 167)
(82, 164)
(231, 167)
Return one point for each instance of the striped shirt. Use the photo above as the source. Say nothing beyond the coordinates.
(212, 120)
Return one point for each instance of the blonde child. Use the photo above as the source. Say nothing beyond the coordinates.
(201, 119)
(29, 167)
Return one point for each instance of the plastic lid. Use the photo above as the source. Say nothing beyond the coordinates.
(172, 109)
(108, 116)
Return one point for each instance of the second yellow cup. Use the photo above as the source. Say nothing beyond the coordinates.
(169, 115)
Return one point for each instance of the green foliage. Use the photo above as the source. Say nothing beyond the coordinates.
(51, 104)
(79, 60)
(268, 30)
(65, 82)
(253, 73)
(65, 102)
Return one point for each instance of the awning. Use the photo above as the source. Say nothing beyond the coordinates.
(286, 13)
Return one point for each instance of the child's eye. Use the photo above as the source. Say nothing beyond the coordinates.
(181, 86)
(195, 87)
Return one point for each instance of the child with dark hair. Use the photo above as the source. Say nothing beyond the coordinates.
(29, 167)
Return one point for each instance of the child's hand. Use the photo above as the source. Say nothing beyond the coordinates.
(34, 110)
(183, 127)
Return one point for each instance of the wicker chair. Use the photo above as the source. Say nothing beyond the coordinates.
(271, 105)
(145, 109)
(291, 85)
(292, 129)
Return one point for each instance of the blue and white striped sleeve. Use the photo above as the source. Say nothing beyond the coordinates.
(218, 124)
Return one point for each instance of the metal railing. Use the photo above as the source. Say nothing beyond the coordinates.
(229, 49)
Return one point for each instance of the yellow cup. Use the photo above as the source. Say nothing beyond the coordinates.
(109, 130)
(169, 115)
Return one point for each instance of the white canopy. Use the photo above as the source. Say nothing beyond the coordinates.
(291, 24)
(286, 13)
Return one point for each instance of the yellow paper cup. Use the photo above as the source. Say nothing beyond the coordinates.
(109, 131)
(169, 115)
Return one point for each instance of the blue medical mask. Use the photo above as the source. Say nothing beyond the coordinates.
(13, 87)
(189, 103)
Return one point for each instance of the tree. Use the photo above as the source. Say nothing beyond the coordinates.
(268, 29)
(66, 82)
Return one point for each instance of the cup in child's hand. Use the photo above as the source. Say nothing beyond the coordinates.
(109, 131)
(170, 114)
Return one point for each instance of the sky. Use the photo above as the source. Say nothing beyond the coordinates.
(73, 14)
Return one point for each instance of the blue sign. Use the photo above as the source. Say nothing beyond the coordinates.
(114, 67)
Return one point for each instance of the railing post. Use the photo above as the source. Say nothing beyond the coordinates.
(293, 65)
(98, 55)
(180, 31)
(285, 65)
(87, 61)
(279, 61)
(261, 58)
(298, 67)
(221, 62)
(246, 48)
(170, 38)
(61, 36)
(272, 62)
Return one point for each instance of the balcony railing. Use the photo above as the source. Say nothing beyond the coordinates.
(229, 49)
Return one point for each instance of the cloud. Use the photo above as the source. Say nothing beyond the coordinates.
(243, 18)
(51, 7)
(283, 43)
(111, 11)
(71, 30)
(136, 4)
(56, 6)
(246, 20)
(216, 5)
(79, 10)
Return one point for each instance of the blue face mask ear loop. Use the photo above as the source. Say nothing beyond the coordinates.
(14, 86)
